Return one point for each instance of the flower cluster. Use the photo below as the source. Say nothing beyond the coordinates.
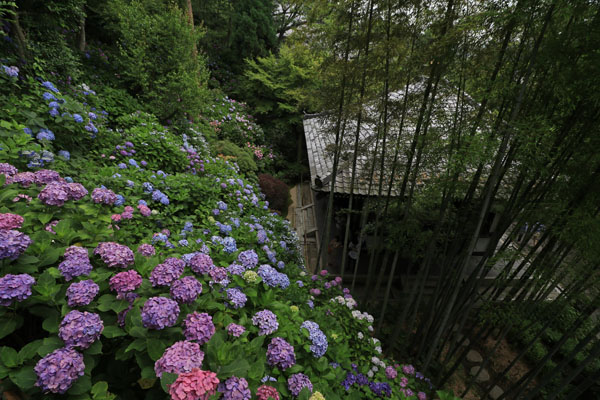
(201, 263)
(265, 392)
(82, 293)
(317, 337)
(159, 313)
(10, 221)
(126, 281)
(13, 243)
(297, 382)
(80, 329)
(186, 290)
(248, 258)
(164, 274)
(272, 277)
(280, 354)
(235, 330)
(58, 370)
(199, 327)
(266, 322)
(237, 298)
(115, 254)
(15, 287)
(146, 250)
(76, 263)
(182, 356)
(194, 385)
(235, 388)
(104, 196)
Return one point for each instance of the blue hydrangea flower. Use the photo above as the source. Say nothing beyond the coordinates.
(53, 104)
(28, 131)
(48, 96)
(45, 134)
(183, 242)
(142, 202)
(147, 186)
(122, 165)
(120, 200)
(78, 118)
(222, 206)
(133, 163)
(53, 112)
(229, 245)
(92, 116)
(11, 71)
(130, 183)
(50, 86)
(64, 154)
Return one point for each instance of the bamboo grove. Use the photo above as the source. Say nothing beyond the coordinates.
(481, 108)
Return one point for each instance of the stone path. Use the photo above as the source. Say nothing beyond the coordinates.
(482, 376)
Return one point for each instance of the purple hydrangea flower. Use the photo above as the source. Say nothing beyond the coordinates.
(218, 274)
(186, 290)
(76, 263)
(126, 281)
(236, 298)
(75, 191)
(280, 354)
(235, 330)
(248, 258)
(199, 327)
(54, 194)
(167, 272)
(159, 313)
(266, 322)
(201, 263)
(297, 382)
(408, 369)
(7, 169)
(382, 389)
(82, 293)
(146, 250)
(235, 269)
(15, 287)
(80, 329)
(104, 196)
(58, 370)
(24, 179)
(390, 372)
(261, 237)
(235, 388)
(115, 254)
(182, 356)
(13, 244)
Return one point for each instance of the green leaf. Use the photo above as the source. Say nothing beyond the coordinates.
(8, 357)
(138, 344)
(29, 351)
(156, 348)
(112, 331)
(49, 345)
(51, 322)
(81, 385)
(9, 325)
(3, 371)
(105, 302)
(99, 388)
(167, 378)
(238, 367)
(24, 377)
(95, 348)
(257, 370)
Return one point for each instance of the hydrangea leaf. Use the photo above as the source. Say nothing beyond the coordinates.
(24, 377)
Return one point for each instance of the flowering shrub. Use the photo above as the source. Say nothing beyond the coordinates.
(163, 278)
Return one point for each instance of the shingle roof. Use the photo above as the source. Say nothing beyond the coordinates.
(319, 131)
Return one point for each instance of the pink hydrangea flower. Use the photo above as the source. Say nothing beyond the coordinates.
(10, 221)
(194, 385)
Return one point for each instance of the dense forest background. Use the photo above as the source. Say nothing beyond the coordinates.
(487, 115)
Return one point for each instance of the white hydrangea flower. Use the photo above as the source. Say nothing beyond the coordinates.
(360, 335)
(370, 374)
(356, 314)
(374, 369)
(350, 303)
(375, 360)
(375, 340)
(302, 273)
(370, 328)
(378, 349)
(370, 318)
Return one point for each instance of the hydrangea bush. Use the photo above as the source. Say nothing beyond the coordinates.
(162, 276)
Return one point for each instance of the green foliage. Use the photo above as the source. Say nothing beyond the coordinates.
(156, 56)
(242, 156)
(236, 30)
